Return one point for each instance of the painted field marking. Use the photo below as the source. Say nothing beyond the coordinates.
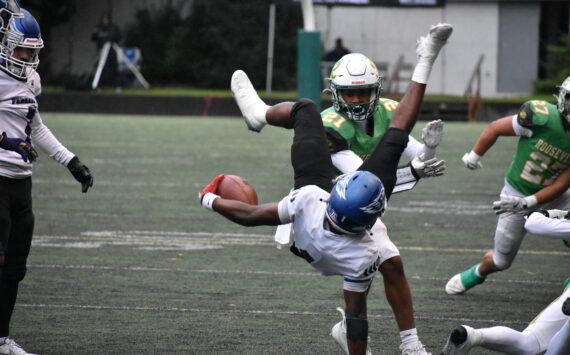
(161, 240)
(251, 272)
(246, 311)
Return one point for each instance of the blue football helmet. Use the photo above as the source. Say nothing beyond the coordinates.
(355, 202)
(8, 9)
(24, 36)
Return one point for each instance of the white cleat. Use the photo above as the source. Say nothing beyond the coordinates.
(418, 349)
(461, 340)
(428, 47)
(454, 286)
(10, 347)
(251, 106)
(338, 333)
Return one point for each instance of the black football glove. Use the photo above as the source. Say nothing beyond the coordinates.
(81, 173)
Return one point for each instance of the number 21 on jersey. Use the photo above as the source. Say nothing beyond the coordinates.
(334, 118)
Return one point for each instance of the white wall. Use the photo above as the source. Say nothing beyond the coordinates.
(385, 33)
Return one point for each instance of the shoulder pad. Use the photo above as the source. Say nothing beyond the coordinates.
(524, 117)
(35, 84)
(387, 104)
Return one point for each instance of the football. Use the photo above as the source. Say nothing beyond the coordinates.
(234, 187)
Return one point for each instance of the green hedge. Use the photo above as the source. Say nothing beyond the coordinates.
(216, 38)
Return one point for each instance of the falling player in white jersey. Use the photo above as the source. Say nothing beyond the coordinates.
(549, 331)
(21, 122)
(332, 221)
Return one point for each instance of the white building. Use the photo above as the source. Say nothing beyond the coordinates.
(507, 33)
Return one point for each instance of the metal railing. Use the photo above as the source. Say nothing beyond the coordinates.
(473, 92)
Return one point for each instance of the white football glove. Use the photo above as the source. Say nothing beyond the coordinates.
(432, 133)
(472, 160)
(510, 203)
(429, 168)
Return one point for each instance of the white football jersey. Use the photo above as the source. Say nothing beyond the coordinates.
(19, 118)
(354, 257)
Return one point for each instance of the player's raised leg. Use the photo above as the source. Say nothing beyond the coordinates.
(381, 162)
(427, 50)
(257, 113)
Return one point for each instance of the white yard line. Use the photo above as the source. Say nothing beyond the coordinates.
(207, 240)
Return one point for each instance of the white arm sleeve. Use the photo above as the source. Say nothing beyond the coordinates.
(346, 161)
(520, 130)
(46, 141)
(283, 210)
(415, 149)
(539, 224)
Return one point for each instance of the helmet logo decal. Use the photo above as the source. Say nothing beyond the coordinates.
(374, 208)
(341, 186)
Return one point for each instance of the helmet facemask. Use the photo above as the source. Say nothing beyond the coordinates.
(562, 99)
(355, 72)
(9, 10)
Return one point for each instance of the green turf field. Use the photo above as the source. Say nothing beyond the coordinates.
(136, 266)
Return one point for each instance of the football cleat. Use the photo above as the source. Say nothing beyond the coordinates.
(428, 47)
(251, 106)
(454, 286)
(418, 349)
(338, 333)
(566, 307)
(461, 340)
(10, 347)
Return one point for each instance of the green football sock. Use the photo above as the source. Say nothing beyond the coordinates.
(566, 284)
(470, 279)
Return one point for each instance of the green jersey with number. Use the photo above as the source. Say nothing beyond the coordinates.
(539, 159)
(344, 134)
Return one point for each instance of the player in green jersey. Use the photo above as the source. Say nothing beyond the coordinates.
(536, 179)
(354, 125)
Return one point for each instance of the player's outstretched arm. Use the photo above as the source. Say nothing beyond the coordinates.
(514, 203)
(237, 211)
(247, 215)
(501, 127)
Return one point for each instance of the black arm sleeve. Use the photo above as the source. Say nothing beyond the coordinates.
(335, 141)
(383, 162)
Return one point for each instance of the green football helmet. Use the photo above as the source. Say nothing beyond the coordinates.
(355, 71)
(562, 98)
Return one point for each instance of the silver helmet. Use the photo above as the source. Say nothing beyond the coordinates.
(562, 98)
(355, 71)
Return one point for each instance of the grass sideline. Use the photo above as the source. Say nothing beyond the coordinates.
(136, 266)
